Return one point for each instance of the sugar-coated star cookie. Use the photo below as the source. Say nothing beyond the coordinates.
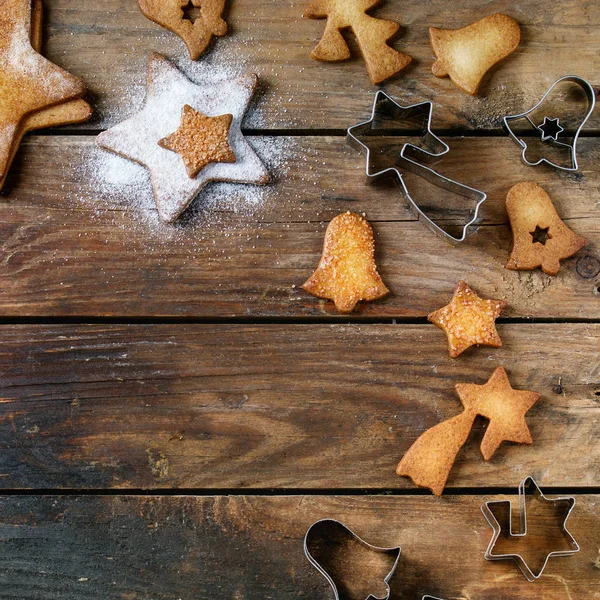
(139, 137)
(468, 320)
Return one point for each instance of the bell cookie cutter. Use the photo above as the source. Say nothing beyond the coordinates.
(394, 553)
(528, 482)
(410, 157)
(545, 128)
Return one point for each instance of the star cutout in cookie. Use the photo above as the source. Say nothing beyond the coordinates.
(550, 129)
(505, 408)
(200, 140)
(28, 81)
(468, 320)
(168, 92)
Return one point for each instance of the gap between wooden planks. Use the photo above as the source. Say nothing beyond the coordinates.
(279, 406)
(94, 250)
(104, 548)
(108, 44)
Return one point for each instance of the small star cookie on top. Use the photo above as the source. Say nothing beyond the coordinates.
(184, 153)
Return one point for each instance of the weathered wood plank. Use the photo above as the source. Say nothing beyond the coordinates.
(75, 228)
(249, 547)
(290, 406)
(108, 45)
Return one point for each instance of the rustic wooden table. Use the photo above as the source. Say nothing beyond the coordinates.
(175, 411)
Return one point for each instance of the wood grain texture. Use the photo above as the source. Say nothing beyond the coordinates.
(279, 406)
(77, 239)
(108, 44)
(188, 548)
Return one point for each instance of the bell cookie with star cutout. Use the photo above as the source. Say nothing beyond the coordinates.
(177, 16)
(540, 238)
(467, 54)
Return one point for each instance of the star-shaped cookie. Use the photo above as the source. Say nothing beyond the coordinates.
(505, 408)
(28, 81)
(138, 137)
(200, 140)
(468, 320)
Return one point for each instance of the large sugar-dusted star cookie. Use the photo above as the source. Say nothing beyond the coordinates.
(29, 83)
(139, 137)
(468, 320)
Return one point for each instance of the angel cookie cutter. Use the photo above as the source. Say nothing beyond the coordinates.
(430, 150)
(393, 553)
(550, 129)
(524, 486)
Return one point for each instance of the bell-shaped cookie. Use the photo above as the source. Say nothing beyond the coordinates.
(347, 272)
(541, 239)
(467, 54)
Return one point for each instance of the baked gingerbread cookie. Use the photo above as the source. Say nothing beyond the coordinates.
(347, 273)
(467, 54)
(30, 85)
(468, 320)
(540, 238)
(183, 148)
(372, 35)
(429, 460)
(173, 15)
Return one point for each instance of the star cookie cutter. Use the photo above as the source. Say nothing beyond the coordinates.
(526, 484)
(552, 136)
(410, 157)
(394, 553)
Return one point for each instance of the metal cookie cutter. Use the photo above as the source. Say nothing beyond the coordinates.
(430, 150)
(550, 129)
(528, 482)
(394, 553)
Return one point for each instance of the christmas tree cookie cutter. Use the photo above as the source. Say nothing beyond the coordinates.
(430, 150)
(393, 553)
(527, 484)
(550, 129)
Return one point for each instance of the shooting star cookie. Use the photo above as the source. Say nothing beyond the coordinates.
(149, 138)
(429, 460)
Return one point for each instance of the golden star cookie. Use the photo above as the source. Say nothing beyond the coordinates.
(540, 238)
(429, 460)
(372, 35)
(200, 140)
(196, 35)
(467, 54)
(347, 272)
(138, 138)
(28, 81)
(67, 113)
(468, 320)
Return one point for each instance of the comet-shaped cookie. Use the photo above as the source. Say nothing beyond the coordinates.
(429, 460)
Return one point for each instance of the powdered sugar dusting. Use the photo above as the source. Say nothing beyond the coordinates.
(111, 183)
